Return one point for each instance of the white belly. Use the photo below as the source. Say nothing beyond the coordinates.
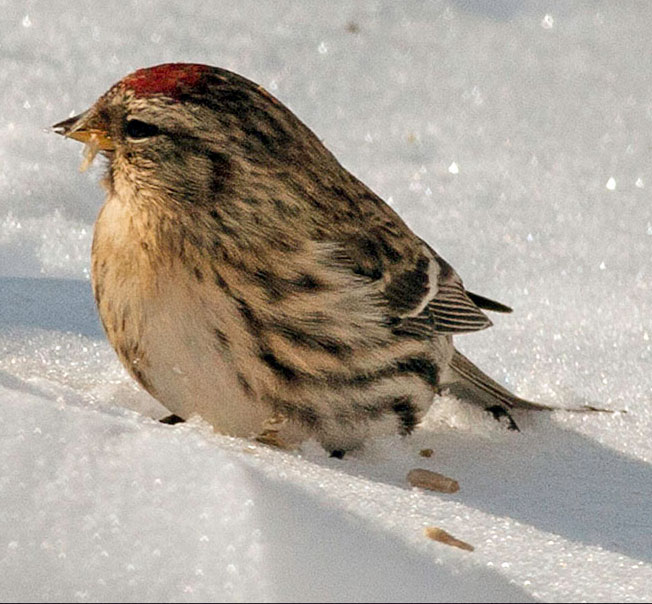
(168, 322)
(190, 370)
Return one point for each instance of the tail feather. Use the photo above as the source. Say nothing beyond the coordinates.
(475, 386)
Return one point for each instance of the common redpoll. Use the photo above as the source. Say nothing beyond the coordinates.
(242, 274)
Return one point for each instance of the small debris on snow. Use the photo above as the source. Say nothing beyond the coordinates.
(548, 22)
(437, 534)
(432, 481)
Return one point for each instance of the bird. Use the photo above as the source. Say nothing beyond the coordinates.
(242, 274)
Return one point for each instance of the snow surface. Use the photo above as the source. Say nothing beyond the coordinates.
(515, 137)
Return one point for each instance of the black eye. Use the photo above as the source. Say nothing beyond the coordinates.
(138, 129)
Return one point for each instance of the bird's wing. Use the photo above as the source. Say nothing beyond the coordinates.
(487, 303)
(446, 307)
(423, 293)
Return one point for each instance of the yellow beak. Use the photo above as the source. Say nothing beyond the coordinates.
(88, 131)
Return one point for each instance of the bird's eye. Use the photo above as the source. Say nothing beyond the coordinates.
(137, 129)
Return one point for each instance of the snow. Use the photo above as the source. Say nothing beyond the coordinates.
(515, 138)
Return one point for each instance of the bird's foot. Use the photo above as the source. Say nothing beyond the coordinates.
(270, 432)
(172, 419)
(502, 415)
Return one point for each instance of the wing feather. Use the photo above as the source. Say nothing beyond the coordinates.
(423, 293)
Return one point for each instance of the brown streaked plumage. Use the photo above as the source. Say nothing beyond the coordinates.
(243, 274)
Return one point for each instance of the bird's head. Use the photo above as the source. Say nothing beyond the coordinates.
(187, 132)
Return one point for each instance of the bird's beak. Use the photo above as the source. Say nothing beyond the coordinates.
(88, 129)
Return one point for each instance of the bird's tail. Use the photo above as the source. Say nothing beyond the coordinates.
(473, 385)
